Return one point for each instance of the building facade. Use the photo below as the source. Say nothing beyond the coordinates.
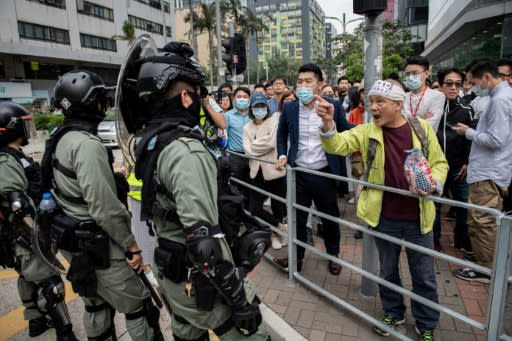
(42, 39)
(414, 15)
(295, 30)
(459, 31)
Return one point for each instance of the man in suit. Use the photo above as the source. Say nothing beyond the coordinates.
(299, 124)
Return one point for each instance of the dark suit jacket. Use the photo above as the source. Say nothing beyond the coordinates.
(289, 128)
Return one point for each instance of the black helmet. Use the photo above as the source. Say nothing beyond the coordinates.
(15, 122)
(78, 94)
(173, 62)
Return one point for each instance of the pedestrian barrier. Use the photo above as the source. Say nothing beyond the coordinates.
(501, 273)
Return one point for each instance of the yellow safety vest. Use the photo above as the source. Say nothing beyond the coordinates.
(135, 187)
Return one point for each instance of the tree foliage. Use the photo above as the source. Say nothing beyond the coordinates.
(128, 32)
(396, 48)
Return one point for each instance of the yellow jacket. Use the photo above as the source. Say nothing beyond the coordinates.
(370, 201)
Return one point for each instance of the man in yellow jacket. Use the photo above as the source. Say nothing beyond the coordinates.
(408, 218)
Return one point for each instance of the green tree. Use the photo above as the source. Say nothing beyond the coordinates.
(233, 9)
(396, 48)
(281, 65)
(128, 32)
(205, 21)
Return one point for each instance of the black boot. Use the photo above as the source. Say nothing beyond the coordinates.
(38, 326)
(66, 334)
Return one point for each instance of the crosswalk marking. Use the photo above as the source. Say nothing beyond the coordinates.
(13, 322)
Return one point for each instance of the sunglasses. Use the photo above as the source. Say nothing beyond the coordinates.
(449, 84)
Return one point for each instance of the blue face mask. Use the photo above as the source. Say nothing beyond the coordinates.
(259, 113)
(305, 95)
(242, 103)
(479, 91)
(413, 82)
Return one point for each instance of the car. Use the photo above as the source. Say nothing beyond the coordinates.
(107, 132)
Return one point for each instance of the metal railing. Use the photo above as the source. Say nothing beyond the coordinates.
(501, 274)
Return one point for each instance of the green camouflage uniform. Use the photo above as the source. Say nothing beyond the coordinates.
(189, 172)
(119, 285)
(32, 269)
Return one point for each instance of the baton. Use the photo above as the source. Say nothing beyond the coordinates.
(146, 283)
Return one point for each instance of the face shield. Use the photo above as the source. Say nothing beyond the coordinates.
(23, 124)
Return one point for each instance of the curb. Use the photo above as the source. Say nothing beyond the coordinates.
(278, 328)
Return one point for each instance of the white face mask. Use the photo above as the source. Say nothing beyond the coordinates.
(259, 113)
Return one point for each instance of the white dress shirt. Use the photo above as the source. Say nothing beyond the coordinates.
(310, 153)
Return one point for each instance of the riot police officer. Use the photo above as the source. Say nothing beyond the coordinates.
(40, 288)
(196, 271)
(93, 228)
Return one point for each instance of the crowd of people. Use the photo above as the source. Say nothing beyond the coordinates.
(459, 124)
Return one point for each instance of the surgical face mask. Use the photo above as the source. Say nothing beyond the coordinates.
(413, 82)
(477, 90)
(259, 113)
(305, 95)
(242, 103)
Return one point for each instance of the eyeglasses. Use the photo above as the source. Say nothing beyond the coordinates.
(449, 84)
(278, 83)
(504, 75)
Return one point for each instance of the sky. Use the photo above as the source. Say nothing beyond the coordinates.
(335, 8)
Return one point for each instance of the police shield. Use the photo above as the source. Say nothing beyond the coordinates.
(43, 247)
(127, 103)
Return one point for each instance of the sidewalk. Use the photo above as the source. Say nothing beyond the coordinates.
(318, 319)
(311, 315)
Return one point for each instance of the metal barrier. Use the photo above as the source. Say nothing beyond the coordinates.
(501, 274)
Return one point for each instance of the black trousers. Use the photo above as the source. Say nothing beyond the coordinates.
(321, 191)
(240, 170)
(277, 187)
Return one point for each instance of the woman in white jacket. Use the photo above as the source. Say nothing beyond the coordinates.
(260, 141)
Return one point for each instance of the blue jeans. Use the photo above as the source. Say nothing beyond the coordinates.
(421, 267)
(460, 192)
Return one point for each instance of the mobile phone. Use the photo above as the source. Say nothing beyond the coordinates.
(451, 125)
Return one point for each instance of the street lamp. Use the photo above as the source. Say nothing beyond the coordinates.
(344, 22)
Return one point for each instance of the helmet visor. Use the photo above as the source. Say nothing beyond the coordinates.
(29, 127)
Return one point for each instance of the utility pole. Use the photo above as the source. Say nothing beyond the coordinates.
(163, 21)
(221, 73)
(231, 28)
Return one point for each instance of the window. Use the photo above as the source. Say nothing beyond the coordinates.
(39, 32)
(98, 43)
(37, 70)
(156, 4)
(146, 25)
(97, 11)
(53, 3)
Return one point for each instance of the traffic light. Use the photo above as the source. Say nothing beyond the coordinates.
(369, 7)
(234, 53)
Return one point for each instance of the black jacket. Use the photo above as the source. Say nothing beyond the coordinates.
(456, 149)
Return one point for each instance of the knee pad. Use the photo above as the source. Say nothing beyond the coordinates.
(50, 293)
(152, 315)
(110, 333)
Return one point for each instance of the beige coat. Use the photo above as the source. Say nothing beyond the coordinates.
(260, 141)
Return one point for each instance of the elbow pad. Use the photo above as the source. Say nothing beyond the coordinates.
(20, 204)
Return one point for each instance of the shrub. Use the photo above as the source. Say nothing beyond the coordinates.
(48, 121)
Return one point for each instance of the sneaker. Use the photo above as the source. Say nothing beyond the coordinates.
(351, 200)
(389, 321)
(464, 247)
(470, 258)
(425, 335)
(283, 262)
(267, 203)
(472, 275)
(276, 243)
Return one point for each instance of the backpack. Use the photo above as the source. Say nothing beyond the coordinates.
(372, 145)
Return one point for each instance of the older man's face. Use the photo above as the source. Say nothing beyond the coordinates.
(385, 112)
